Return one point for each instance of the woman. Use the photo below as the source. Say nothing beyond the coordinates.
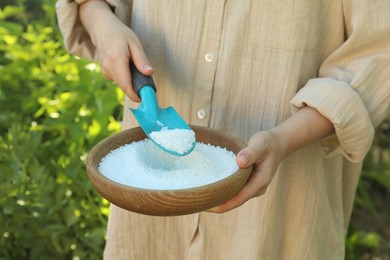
(304, 82)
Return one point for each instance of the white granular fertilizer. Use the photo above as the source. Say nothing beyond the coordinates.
(176, 140)
(141, 164)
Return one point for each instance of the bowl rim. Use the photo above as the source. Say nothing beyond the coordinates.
(92, 170)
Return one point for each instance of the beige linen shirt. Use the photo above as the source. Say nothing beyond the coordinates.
(245, 66)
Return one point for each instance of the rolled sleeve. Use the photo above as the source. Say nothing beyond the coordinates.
(338, 102)
(353, 87)
(76, 39)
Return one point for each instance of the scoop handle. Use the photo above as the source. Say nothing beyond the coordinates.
(140, 80)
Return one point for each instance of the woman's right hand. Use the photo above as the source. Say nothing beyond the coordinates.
(116, 45)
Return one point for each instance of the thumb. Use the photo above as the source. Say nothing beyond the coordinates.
(140, 60)
(256, 149)
(246, 157)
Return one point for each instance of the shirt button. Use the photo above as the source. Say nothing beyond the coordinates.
(201, 113)
(209, 57)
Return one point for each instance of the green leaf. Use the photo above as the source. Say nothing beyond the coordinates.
(9, 11)
(381, 178)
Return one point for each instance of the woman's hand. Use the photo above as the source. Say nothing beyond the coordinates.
(116, 45)
(266, 149)
(264, 152)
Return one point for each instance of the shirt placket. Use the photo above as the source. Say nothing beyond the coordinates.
(204, 77)
(207, 60)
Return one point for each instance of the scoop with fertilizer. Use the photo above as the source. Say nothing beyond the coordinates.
(164, 127)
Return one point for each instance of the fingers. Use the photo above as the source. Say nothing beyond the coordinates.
(121, 75)
(115, 63)
(262, 153)
(116, 44)
(256, 186)
(140, 60)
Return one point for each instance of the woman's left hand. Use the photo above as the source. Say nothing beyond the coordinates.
(266, 149)
(264, 152)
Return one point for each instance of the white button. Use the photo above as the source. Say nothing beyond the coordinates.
(209, 57)
(201, 113)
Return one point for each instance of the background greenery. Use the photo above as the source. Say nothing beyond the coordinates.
(54, 107)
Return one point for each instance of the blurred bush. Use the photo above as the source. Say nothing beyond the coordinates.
(369, 233)
(54, 108)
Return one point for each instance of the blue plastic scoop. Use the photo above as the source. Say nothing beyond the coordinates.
(157, 122)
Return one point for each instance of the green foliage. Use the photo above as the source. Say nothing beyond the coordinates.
(54, 108)
(368, 236)
(360, 242)
(48, 209)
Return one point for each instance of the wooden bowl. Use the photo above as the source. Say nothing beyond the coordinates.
(166, 202)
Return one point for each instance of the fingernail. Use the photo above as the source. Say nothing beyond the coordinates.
(244, 159)
(212, 210)
(147, 67)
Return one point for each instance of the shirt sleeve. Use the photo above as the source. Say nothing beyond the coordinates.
(76, 39)
(353, 88)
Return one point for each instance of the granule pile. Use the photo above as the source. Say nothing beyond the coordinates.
(176, 140)
(141, 164)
